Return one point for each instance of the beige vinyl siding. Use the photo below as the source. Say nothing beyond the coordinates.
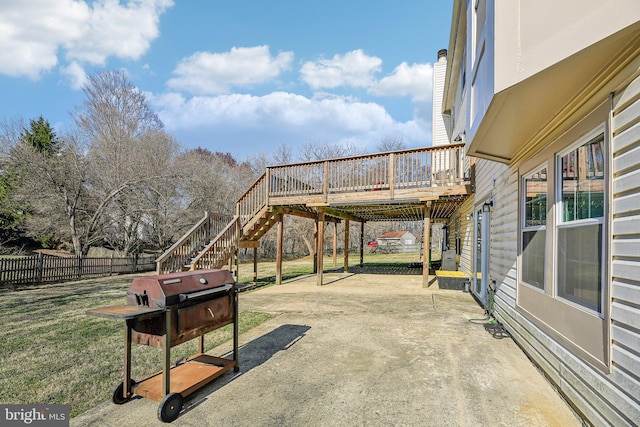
(466, 235)
(466, 265)
(500, 184)
(625, 245)
(440, 123)
(504, 224)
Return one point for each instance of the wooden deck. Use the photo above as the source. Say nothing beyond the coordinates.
(411, 185)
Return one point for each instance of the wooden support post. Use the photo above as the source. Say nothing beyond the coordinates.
(320, 247)
(362, 244)
(255, 266)
(315, 245)
(426, 244)
(335, 244)
(279, 250)
(346, 246)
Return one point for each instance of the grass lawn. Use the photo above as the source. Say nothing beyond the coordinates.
(52, 352)
(294, 268)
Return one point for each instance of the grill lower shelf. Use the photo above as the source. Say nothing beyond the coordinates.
(185, 378)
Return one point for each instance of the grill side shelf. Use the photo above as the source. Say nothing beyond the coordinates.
(125, 312)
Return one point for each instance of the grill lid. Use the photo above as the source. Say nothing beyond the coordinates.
(163, 290)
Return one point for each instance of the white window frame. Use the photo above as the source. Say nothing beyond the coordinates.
(524, 228)
(596, 133)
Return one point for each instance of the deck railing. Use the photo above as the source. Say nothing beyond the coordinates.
(397, 170)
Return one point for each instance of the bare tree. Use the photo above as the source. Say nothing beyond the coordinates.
(311, 151)
(282, 155)
(146, 210)
(389, 143)
(117, 178)
(53, 186)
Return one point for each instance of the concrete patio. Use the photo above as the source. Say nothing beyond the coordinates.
(364, 350)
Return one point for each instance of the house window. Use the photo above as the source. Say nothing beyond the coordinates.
(534, 227)
(562, 267)
(580, 239)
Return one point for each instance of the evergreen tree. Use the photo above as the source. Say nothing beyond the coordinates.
(40, 136)
(11, 213)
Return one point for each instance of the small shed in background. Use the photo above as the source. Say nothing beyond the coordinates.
(397, 242)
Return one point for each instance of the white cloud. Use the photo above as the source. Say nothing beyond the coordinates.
(277, 108)
(76, 75)
(354, 69)
(412, 80)
(253, 123)
(34, 33)
(113, 29)
(207, 73)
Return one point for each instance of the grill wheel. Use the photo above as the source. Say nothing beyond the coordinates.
(118, 393)
(170, 407)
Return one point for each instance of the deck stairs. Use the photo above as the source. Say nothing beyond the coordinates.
(258, 226)
(211, 243)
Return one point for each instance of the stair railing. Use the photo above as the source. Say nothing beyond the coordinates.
(218, 251)
(253, 200)
(182, 251)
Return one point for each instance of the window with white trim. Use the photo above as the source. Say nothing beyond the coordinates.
(534, 227)
(579, 232)
(568, 300)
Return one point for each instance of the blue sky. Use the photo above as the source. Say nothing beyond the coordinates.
(237, 76)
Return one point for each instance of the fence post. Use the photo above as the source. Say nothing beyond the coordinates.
(40, 266)
(111, 264)
(79, 266)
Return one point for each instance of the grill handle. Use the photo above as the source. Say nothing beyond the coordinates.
(206, 293)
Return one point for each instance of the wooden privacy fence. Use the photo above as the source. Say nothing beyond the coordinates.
(46, 269)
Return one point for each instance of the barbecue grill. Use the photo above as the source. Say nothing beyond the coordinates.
(163, 311)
